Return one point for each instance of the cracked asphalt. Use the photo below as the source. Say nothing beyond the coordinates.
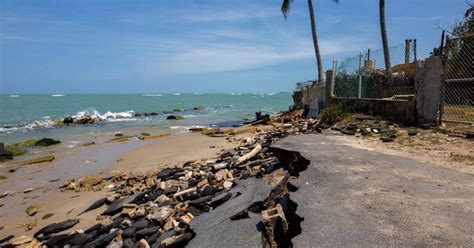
(354, 197)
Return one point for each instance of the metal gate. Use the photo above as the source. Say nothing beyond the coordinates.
(458, 85)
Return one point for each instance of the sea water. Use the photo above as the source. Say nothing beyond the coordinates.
(33, 115)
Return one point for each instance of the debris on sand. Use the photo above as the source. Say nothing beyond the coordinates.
(158, 209)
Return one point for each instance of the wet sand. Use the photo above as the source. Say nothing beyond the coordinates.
(134, 156)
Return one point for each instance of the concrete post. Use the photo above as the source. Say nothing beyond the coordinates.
(428, 82)
(359, 94)
(407, 51)
(329, 87)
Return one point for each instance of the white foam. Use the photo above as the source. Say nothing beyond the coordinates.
(57, 95)
(177, 94)
(102, 117)
(152, 95)
(14, 95)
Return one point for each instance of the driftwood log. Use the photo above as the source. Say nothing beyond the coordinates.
(249, 155)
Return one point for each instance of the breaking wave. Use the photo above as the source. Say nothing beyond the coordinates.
(103, 117)
(49, 122)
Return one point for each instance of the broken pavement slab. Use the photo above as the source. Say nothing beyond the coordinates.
(212, 229)
(350, 196)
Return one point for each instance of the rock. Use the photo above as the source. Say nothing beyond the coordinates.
(143, 244)
(28, 190)
(89, 143)
(32, 210)
(4, 154)
(103, 240)
(128, 208)
(5, 239)
(387, 139)
(166, 173)
(220, 199)
(95, 205)
(221, 175)
(160, 215)
(151, 114)
(21, 240)
(228, 185)
(80, 239)
(68, 120)
(119, 135)
(155, 136)
(56, 227)
(412, 132)
(47, 142)
(174, 117)
(199, 108)
(177, 110)
(86, 119)
(147, 231)
(470, 135)
(177, 241)
(57, 241)
(14, 151)
(47, 216)
(117, 205)
(90, 181)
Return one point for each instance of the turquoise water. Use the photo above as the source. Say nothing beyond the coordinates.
(31, 116)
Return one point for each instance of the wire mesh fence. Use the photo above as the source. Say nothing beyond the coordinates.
(364, 76)
(458, 88)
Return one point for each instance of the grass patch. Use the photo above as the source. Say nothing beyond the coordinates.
(2, 177)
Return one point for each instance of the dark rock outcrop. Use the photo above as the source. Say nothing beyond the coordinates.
(47, 142)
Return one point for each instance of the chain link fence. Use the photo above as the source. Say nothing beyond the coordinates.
(363, 75)
(458, 87)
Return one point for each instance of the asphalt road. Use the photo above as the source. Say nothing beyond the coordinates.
(352, 197)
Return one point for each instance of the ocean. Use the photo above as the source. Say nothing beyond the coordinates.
(32, 115)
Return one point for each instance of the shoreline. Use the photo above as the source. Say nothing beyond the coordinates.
(134, 156)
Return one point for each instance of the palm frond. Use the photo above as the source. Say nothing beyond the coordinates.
(285, 7)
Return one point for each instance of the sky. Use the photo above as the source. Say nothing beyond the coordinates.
(168, 46)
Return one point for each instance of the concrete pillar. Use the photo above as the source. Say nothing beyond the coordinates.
(329, 87)
(428, 81)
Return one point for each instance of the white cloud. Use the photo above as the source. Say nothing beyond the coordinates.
(196, 58)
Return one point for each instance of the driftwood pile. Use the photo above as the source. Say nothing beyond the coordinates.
(155, 210)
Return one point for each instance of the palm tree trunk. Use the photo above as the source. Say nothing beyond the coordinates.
(383, 30)
(315, 42)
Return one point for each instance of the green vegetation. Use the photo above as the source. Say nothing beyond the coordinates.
(2, 177)
(333, 114)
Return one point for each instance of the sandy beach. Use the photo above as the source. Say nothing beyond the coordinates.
(134, 156)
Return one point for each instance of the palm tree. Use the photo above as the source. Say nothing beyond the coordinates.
(383, 30)
(285, 9)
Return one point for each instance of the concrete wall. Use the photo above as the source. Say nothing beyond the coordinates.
(397, 110)
(427, 90)
(312, 97)
(424, 109)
